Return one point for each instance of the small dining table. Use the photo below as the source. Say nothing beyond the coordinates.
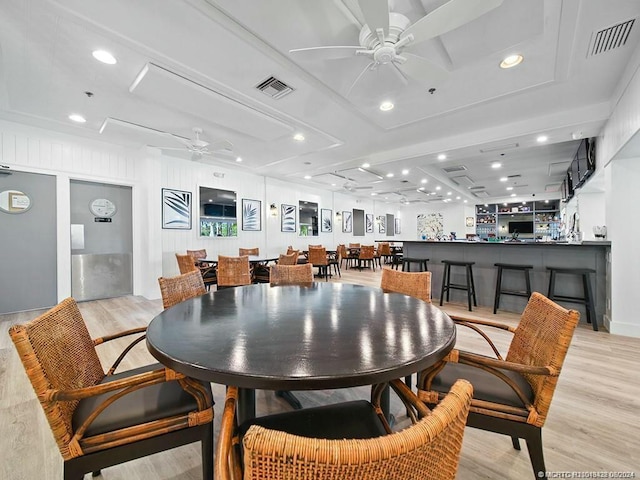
(289, 337)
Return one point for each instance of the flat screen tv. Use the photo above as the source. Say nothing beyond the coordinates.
(586, 158)
(575, 173)
(521, 227)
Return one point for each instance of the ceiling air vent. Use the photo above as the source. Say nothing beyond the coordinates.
(481, 194)
(476, 188)
(274, 88)
(463, 180)
(610, 38)
(457, 168)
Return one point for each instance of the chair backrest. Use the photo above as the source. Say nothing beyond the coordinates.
(366, 252)
(177, 289)
(414, 284)
(186, 263)
(354, 245)
(290, 250)
(318, 255)
(384, 248)
(542, 338)
(233, 271)
(248, 251)
(198, 254)
(291, 274)
(428, 449)
(58, 354)
(342, 250)
(289, 258)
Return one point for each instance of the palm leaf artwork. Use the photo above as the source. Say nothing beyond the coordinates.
(369, 224)
(288, 218)
(326, 224)
(250, 215)
(346, 222)
(325, 217)
(176, 209)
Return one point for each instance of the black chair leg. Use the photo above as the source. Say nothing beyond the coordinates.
(206, 445)
(516, 442)
(534, 445)
(591, 312)
(290, 398)
(496, 300)
(97, 473)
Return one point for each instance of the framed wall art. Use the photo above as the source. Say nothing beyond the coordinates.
(251, 215)
(369, 223)
(382, 220)
(397, 226)
(326, 222)
(347, 222)
(287, 218)
(176, 209)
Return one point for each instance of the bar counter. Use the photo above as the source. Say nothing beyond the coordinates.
(588, 254)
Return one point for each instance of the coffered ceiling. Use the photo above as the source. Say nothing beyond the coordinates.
(196, 63)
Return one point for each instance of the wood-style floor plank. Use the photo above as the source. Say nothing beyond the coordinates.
(593, 425)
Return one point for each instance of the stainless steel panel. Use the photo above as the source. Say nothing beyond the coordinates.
(97, 276)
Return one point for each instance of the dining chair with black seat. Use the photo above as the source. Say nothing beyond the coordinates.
(345, 441)
(341, 249)
(177, 289)
(366, 257)
(186, 263)
(384, 250)
(233, 271)
(207, 269)
(335, 259)
(248, 251)
(414, 284)
(512, 396)
(103, 419)
(291, 274)
(288, 259)
(318, 258)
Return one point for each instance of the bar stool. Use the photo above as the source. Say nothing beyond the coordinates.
(422, 263)
(396, 259)
(519, 293)
(587, 299)
(447, 285)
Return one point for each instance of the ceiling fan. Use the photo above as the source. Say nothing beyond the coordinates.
(388, 37)
(198, 147)
(353, 187)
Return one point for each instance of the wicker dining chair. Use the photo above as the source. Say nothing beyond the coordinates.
(97, 419)
(512, 396)
(366, 257)
(186, 263)
(248, 251)
(384, 250)
(347, 441)
(198, 254)
(318, 258)
(414, 284)
(233, 271)
(177, 289)
(291, 274)
(289, 258)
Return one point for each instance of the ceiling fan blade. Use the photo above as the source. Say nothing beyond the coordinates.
(327, 53)
(449, 16)
(376, 14)
(184, 141)
(422, 70)
(181, 149)
(367, 68)
(220, 145)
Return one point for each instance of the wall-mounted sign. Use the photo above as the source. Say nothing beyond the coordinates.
(102, 220)
(14, 201)
(102, 207)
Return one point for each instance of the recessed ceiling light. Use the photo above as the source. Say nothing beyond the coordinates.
(333, 184)
(238, 159)
(104, 57)
(77, 118)
(386, 106)
(389, 175)
(365, 165)
(421, 188)
(464, 201)
(509, 188)
(448, 193)
(298, 137)
(511, 61)
(373, 193)
(496, 165)
(503, 179)
(424, 180)
(438, 187)
(513, 194)
(457, 198)
(546, 201)
(442, 156)
(405, 172)
(307, 177)
(542, 138)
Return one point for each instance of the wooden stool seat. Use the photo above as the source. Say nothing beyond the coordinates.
(469, 286)
(587, 299)
(506, 291)
(407, 261)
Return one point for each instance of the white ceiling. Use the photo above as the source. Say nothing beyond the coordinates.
(203, 59)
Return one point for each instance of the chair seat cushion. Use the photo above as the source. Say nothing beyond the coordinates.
(143, 405)
(486, 386)
(356, 419)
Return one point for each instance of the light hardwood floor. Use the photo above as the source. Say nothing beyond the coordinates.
(593, 425)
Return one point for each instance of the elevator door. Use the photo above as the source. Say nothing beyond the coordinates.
(28, 273)
(101, 241)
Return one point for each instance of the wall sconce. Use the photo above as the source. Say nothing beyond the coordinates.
(273, 210)
(338, 216)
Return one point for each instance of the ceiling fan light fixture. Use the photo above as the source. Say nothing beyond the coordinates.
(386, 106)
(76, 117)
(511, 61)
(104, 57)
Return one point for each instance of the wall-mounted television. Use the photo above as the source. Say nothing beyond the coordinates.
(586, 158)
(521, 227)
(575, 173)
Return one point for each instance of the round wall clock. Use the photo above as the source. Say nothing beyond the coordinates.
(102, 207)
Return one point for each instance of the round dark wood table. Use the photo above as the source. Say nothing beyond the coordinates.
(322, 336)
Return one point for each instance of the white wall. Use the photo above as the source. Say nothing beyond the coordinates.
(453, 218)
